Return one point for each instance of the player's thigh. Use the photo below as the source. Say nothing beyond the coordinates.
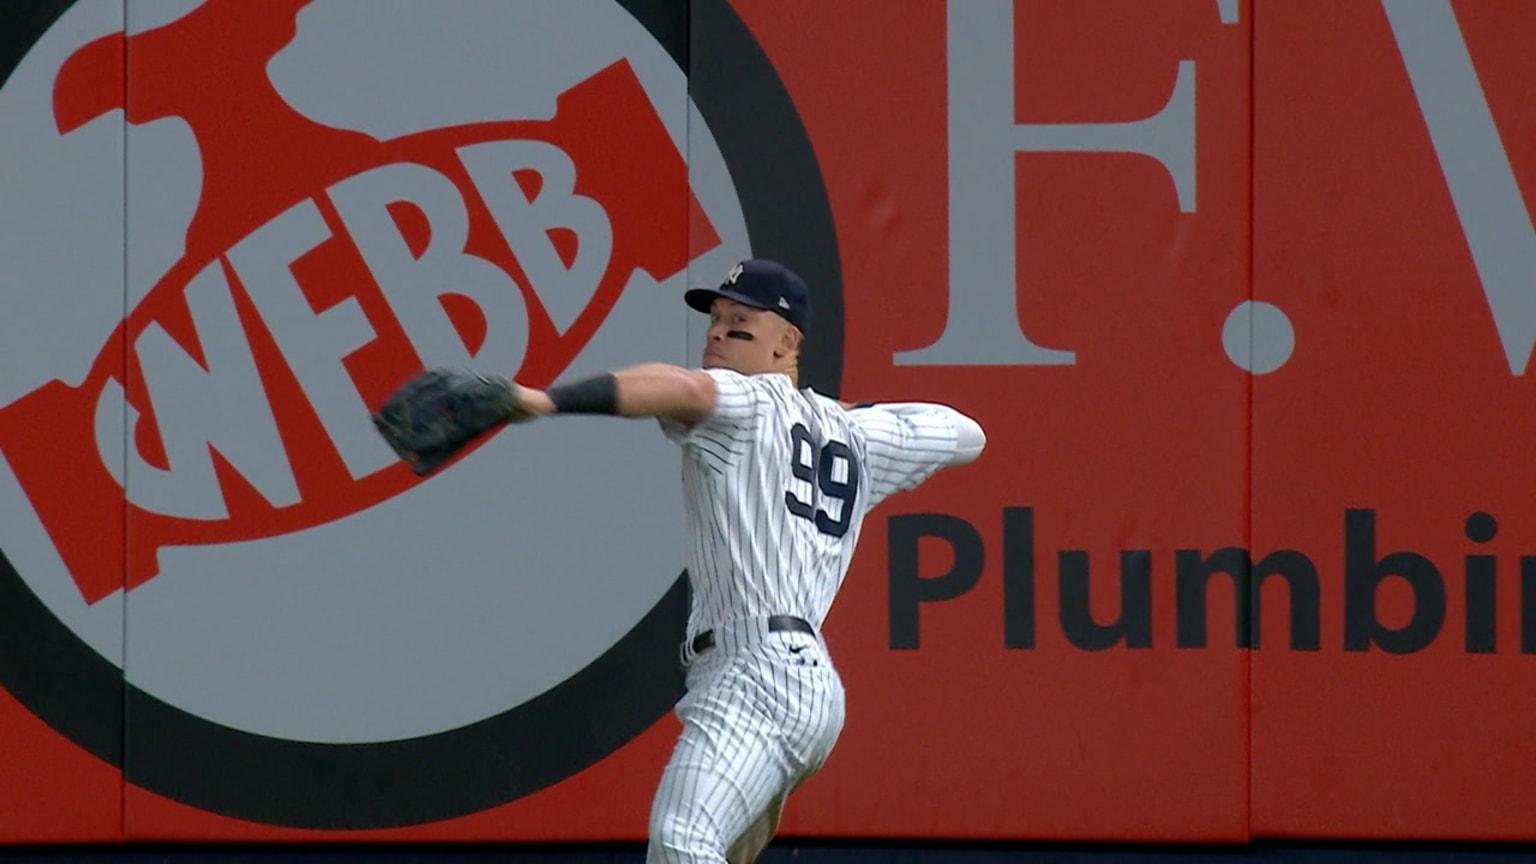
(758, 835)
(727, 769)
(808, 701)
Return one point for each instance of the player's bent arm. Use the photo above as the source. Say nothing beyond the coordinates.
(644, 390)
(970, 438)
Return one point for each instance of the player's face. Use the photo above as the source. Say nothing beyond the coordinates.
(742, 338)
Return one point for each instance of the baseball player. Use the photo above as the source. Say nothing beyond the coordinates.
(777, 480)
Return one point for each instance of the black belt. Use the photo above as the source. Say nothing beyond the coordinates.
(776, 623)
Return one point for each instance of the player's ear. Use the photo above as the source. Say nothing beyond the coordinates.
(789, 339)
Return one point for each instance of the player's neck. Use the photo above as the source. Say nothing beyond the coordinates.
(789, 365)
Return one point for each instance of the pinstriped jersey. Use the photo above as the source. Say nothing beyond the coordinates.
(776, 486)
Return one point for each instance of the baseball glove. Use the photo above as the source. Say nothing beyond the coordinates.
(440, 410)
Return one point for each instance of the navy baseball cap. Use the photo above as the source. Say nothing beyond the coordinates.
(762, 284)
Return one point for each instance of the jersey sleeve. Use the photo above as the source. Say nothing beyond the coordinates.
(727, 433)
(905, 444)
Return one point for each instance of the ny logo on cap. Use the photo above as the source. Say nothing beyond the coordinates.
(731, 277)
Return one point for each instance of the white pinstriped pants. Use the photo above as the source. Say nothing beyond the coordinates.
(761, 715)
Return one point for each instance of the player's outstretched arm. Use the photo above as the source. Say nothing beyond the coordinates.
(438, 412)
(644, 390)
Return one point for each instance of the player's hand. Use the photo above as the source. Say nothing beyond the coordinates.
(531, 404)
